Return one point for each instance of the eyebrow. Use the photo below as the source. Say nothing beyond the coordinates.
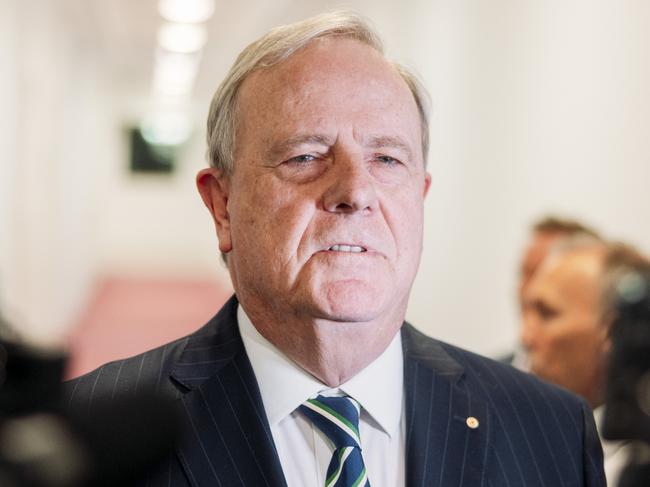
(286, 145)
(389, 141)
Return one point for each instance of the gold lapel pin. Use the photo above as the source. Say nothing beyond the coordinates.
(472, 422)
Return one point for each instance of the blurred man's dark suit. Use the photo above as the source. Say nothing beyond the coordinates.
(529, 433)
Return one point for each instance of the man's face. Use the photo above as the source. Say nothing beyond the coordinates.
(324, 207)
(562, 332)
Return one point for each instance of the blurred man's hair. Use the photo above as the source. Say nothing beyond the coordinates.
(563, 226)
(275, 47)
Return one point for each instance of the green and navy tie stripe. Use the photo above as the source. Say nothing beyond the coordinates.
(338, 419)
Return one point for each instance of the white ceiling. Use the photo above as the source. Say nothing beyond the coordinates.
(123, 34)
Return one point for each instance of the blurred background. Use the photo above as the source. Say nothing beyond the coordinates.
(539, 107)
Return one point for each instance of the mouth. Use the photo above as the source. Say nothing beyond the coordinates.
(352, 249)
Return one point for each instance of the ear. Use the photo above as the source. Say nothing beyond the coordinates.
(214, 188)
(607, 346)
(427, 184)
(607, 339)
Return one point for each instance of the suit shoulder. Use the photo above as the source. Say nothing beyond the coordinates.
(147, 370)
(510, 387)
(151, 369)
(527, 407)
(499, 383)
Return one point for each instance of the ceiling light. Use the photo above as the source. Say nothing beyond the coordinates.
(189, 11)
(183, 38)
(174, 74)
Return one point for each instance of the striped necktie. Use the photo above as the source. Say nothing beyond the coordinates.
(338, 419)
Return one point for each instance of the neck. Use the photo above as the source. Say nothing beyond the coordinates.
(596, 399)
(339, 351)
(331, 351)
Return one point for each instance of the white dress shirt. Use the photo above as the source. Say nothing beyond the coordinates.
(304, 451)
(616, 454)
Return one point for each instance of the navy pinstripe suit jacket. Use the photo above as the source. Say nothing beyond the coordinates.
(530, 433)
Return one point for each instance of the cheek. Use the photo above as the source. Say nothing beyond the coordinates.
(561, 342)
(550, 343)
(271, 221)
(575, 347)
(554, 357)
(405, 222)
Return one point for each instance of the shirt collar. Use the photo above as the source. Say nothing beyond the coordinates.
(284, 385)
(610, 447)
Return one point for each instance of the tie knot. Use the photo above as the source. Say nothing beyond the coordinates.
(336, 417)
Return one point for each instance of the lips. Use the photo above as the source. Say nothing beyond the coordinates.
(354, 249)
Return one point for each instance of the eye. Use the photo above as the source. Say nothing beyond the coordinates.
(387, 160)
(302, 159)
(547, 312)
(302, 168)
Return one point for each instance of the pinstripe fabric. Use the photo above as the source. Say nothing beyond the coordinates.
(529, 434)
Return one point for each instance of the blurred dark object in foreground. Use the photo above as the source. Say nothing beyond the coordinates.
(627, 401)
(43, 444)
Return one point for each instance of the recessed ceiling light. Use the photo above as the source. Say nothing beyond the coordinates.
(189, 11)
(174, 73)
(183, 38)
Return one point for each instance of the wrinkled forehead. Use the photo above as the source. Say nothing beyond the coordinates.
(324, 56)
(333, 77)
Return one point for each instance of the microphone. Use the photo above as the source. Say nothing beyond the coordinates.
(43, 444)
(125, 439)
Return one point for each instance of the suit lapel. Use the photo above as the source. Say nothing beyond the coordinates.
(441, 447)
(229, 441)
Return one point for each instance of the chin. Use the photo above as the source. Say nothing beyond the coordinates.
(353, 301)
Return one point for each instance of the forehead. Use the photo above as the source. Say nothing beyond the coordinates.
(571, 279)
(331, 81)
(538, 246)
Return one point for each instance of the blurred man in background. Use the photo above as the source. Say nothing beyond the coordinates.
(569, 305)
(545, 233)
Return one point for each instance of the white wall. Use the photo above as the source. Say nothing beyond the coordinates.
(7, 132)
(539, 106)
(156, 225)
(59, 109)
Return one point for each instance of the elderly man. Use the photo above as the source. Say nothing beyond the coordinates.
(568, 309)
(309, 375)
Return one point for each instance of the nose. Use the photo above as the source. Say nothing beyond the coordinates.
(351, 188)
(527, 332)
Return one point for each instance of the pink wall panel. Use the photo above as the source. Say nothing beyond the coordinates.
(127, 316)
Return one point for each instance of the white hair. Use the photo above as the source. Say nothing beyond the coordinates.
(275, 47)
